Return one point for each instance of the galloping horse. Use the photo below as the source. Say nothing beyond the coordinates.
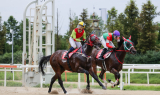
(114, 62)
(79, 62)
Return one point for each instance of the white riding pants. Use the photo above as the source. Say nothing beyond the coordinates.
(103, 41)
(74, 44)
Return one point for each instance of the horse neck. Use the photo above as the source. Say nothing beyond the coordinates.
(121, 54)
(87, 49)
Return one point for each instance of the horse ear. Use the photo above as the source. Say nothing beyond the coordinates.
(124, 38)
(130, 37)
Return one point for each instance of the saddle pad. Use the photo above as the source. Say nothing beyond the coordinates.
(105, 55)
(70, 54)
(99, 53)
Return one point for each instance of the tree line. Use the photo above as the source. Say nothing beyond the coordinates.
(135, 22)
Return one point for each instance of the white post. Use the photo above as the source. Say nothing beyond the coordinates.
(5, 77)
(92, 81)
(147, 78)
(126, 77)
(13, 74)
(121, 81)
(41, 80)
(53, 27)
(129, 76)
(79, 80)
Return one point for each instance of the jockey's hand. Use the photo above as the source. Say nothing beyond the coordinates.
(82, 42)
(114, 49)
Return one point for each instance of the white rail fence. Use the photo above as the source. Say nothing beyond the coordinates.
(130, 67)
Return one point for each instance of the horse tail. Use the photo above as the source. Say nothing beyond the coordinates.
(43, 62)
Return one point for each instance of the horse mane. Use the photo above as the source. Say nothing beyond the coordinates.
(120, 43)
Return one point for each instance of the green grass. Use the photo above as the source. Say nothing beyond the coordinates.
(73, 77)
(11, 84)
(17, 75)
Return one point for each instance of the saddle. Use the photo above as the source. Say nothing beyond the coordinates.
(106, 55)
(70, 54)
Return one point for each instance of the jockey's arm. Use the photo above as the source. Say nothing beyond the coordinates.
(84, 36)
(73, 35)
(107, 44)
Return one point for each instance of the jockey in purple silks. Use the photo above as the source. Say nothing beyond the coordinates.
(106, 40)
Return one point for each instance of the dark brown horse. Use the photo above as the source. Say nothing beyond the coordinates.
(114, 62)
(79, 62)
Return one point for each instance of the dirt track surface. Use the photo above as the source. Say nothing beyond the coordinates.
(43, 91)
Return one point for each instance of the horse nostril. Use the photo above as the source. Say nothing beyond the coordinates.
(135, 52)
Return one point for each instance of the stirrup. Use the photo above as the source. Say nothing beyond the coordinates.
(100, 58)
(66, 57)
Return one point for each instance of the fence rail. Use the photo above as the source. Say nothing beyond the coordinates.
(130, 67)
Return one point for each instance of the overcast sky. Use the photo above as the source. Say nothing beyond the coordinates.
(17, 7)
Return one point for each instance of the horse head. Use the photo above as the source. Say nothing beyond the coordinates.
(94, 41)
(129, 45)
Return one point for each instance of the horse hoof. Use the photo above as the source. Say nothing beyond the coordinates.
(49, 91)
(104, 88)
(109, 80)
(88, 88)
(66, 93)
(113, 86)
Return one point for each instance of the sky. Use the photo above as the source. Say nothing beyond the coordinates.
(16, 8)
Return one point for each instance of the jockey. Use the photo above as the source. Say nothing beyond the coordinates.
(74, 39)
(106, 40)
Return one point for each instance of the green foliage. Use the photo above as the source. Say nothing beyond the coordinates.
(150, 57)
(112, 20)
(87, 21)
(147, 35)
(7, 57)
(2, 40)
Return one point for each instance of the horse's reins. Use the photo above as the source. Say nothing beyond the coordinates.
(128, 49)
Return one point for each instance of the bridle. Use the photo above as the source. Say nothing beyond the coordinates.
(92, 38)
(128, 50)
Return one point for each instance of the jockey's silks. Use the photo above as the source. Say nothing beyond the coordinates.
(108, 36)
(76, 35)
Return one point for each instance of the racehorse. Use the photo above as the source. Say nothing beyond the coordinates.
(79, 62)
(114, 62)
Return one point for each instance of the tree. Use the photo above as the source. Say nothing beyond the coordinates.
(111, 21)
(12, 23)
(146, 27)
(87, 21)
(131, 14)
(2, 40)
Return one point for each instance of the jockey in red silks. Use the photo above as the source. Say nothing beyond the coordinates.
(106, 40)
(74, 40)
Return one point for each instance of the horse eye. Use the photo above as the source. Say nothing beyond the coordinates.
(93, 38)
(127, 44)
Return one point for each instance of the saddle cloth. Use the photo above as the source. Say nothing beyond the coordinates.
(70, 54)
(106, 55)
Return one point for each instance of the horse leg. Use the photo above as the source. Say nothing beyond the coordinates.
(96, 78)
(61, 83)
(101, 76)
(52, 81)
(117, 76)
(81, 70)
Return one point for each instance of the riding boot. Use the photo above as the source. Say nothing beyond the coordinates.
(70, 50)
(103, 52)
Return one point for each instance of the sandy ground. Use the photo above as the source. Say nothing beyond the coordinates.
(43, 91)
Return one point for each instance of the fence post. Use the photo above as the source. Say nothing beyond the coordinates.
(41, 80)
(129, 76)
(126, 77)
(5, 77)
(147, 78)
(92, 81)
(79, 80)
(121, 81)
(13, 74)
(65, 76)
